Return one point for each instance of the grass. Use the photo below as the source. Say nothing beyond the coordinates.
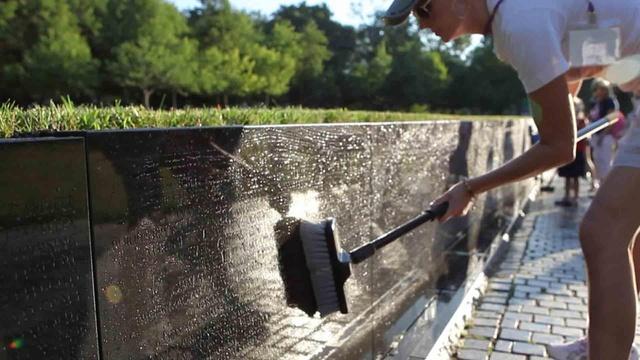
(68, 117)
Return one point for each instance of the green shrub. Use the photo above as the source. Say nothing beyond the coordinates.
(418, 108)
(68, 117)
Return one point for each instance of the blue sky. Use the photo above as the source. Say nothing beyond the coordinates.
(343, 10)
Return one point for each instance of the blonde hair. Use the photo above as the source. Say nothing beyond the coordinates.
(600, 83)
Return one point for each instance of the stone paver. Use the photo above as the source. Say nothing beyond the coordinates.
(477, 344)
(539, 294)
(496, 355)
(512, 334)
(528, 349)
(470, 354)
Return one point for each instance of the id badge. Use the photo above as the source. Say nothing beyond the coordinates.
(592, 46)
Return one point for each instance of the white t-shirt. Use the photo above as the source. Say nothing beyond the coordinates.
(532, 35)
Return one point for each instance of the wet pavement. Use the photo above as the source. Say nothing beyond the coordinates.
(539, 296)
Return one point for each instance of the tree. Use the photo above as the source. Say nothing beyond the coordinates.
(485, 85)
(379, 67)
(11, 48)
(159, 56)
(218, 24)
(59, 64)
(314, 54)
(369, 75)
(183, 70)
(335, 46)
(89, 14)
(227, 42)
(7, 13)
(103, 49)
(284, 38)
(274, 71)
(122, 22)
(417, 77)
(311, 60)
(212, 63)
(44, 56)
(276, 63)
(226, 73)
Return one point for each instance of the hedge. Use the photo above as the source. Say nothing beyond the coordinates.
(68, 117)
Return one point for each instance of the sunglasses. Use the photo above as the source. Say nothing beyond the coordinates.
(422, 10)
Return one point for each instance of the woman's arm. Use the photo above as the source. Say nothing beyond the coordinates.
(575, 75)
(574, 87)
(556, 147)
(557, 140)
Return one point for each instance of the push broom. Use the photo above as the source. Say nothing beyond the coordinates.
(315, 267)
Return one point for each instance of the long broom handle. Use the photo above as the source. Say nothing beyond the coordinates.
(365, 251)
(597, 125)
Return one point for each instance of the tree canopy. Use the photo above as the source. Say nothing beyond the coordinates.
(97, 51)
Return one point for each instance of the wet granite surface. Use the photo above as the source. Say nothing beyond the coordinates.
(47, 305)
(187, 223)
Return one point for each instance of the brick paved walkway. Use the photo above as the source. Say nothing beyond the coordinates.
(539, 296)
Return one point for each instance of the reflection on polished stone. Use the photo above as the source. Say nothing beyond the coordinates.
(47, 307)
(113, 294)
(187, 231)
(187, 225)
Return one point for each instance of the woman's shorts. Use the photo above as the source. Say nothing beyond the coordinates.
(575, 169)
(629, 149)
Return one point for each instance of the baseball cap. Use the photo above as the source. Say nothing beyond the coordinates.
(398, 12)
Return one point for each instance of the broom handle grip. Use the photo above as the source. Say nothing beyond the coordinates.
(367, 250)
(597, 125)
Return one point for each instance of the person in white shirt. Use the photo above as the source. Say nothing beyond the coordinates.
(533, 37)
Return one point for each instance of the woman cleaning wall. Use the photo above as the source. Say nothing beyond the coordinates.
(553, 45)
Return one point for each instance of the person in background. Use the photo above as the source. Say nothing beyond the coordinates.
(577, 169)
(602, 143)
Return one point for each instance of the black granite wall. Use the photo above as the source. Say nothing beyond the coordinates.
(47, 304)
(186, 226)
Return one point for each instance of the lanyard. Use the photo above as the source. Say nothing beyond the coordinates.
(487, 28)
(591, 11)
